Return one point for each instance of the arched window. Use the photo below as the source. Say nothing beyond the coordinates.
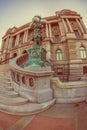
(59, 55)
(23, 80)
(83, 52)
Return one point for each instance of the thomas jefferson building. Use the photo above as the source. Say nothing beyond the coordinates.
(64, 39)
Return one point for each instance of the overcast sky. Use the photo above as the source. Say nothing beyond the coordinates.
(19, 12)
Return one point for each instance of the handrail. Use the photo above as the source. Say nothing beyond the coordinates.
(68, 85)
(6, 60)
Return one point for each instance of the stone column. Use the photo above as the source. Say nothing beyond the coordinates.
(17, 39)
(61, 27)
(83, 25)
(50, 31)
(7, 43)
(48, 49)
(2, 45)
(80, 25)
(68, 23)
(47, 34)
(14, 42)
(65, 26)
(26, 36)
(10, 42)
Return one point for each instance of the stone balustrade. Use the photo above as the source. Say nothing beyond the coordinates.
(69, 92)
(30, 82)
(20, 75)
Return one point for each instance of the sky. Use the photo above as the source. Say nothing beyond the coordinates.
(20, 12)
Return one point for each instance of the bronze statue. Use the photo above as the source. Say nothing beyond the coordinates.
(37, 25)
(37, 54)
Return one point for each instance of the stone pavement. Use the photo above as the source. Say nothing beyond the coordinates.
(58, 117)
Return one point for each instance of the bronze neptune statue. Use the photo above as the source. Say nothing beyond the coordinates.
(37, 54)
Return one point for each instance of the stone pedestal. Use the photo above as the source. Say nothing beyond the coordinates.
(36, 86)
(39, 83)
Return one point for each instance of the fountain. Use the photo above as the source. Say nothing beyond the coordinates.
(35, 69)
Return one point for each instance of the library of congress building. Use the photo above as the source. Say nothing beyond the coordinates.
(64, 39)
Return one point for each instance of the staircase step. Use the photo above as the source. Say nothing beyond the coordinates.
(10, 94)
(9, 88)
(13, 101)
(5, 83)
(4, 79)
(26, 109)
(5, 76)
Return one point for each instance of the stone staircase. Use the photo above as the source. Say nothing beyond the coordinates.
(12, 103)
(7, 94)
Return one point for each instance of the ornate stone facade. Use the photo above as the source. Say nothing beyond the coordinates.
(64, 39)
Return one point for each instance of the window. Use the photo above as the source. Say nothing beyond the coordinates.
(59, 70)
(59, 55)
(83, 52)
(76, 33)
(56, 37)
(85, 70)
